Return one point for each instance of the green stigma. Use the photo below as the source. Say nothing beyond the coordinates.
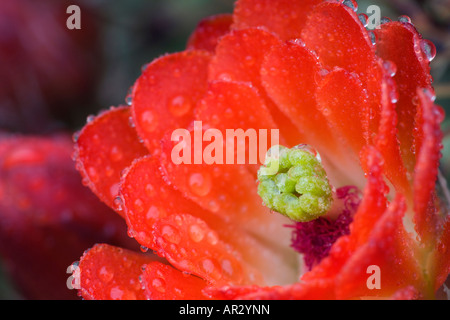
(294, 183)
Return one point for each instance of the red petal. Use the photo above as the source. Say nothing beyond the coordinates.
(442, 256)
(226, 107)
(165, 94)
(339, 39)
(47, 217)
(239, 57)
(428, 146)
(290, 67)
(284, 17)
(335, 33)
(339, 95)
(162, 282)
(147, 198)
(111, 273)
(400, 43)
(106, 146)
(389, 249)
(189, 244)
(387, 141)
(209, 31)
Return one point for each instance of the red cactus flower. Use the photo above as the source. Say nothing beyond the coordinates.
(310, 69)
(46, 215)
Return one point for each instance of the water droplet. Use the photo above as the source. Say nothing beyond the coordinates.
(428, 48)
(364, 19)
(116, 293)
(311, 150)
(129, 97)
(196, 233)
(352, 4)
(209, 267)
(93, 175)
(214, 206)
(200, 183)
(393, 95)
(131, 122)
(404, 19)
(149, 121)
(372, 37)
(385, 20)
(390, 68)
(153, 213)
(138, 205)
(76, 136)
(105, 274)
(225, 77)
(227, 267)
(144, 67)
(249, 61)
(159, 284)
(118, 203)
(90, 118)
(143, 248)
(179, 105)
(430, 94)
(170, 234)
(212, 238)
(116, 154)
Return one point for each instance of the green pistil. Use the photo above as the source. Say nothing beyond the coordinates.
(294, 183)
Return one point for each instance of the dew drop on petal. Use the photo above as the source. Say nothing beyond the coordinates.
(310, 149)
(404, 19)
(170, 234)
(364, 19)
(390, 68)
(76, 136)
(90, 118)
(428, 48)
(159, 284)
(131, 122)
(116, 293)
(116, 154)
(212, 238)
(118, 203)
(196, 233)
(105, 274)
(430, 94)
(143, 249)
(93, 175)
(200, 184)
(372, 37)
(179, 105)
(385, 20)
(138, 205)
(352, 4)
(393, 95)
(209, 266)
(149, 121)
(129, 99)
(227, 267)
(144, 67)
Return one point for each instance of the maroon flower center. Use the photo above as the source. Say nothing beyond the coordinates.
(314, 239)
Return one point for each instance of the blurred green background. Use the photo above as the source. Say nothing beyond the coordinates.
(123, 35)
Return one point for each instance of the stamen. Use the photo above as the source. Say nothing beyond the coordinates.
(294, 183)
(314, 239)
